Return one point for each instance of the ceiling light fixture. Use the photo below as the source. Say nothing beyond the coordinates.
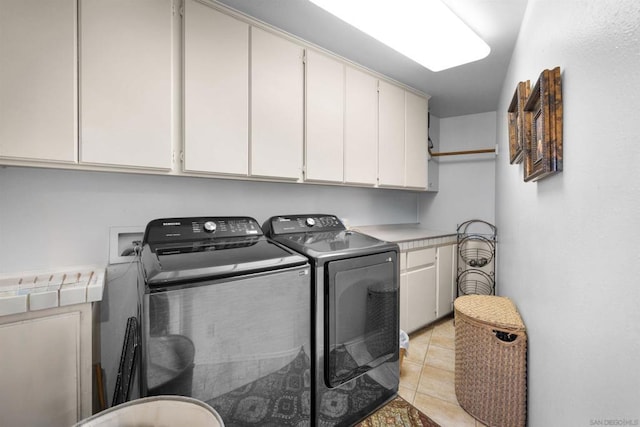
(426, 31)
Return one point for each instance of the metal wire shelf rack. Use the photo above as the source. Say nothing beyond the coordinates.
(476, 258)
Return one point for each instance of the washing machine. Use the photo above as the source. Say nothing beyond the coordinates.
(225, 319)
(355, 315)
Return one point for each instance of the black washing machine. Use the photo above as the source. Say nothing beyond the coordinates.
(225, 319)
(355, 315)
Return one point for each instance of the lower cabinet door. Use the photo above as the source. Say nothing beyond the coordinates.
(421, 298)
(41, 371)
(404, 300)
(446, 279)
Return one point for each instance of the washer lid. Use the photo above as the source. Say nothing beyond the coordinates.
(179, 263)
(178, 250)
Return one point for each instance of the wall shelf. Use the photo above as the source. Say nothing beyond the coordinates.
(458, 153)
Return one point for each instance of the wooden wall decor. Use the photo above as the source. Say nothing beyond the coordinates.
(542, 127)
(516, 122)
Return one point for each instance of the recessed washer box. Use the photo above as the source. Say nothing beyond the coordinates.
(122, 243)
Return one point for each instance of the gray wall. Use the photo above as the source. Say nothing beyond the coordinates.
(466, 182)
(569, 254)
(56, 218)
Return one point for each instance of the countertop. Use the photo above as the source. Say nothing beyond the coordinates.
(402, 232)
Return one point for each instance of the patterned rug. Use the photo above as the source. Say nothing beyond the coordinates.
(282, 398)
(278, 399)
(398, 413)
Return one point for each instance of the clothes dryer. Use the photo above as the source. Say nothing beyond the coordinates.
(355, 318)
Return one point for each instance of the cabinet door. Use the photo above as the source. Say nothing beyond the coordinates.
(360, 128)
(277, 117)
(325, 118)
(445, 279)
(125, 82)
(421, 257)
(38, 96)
(391, 135)
(216, 91)
(41, 375)
(421, 298)
(416, 141)
(404, 295)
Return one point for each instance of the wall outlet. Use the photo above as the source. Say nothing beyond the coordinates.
(124, 242)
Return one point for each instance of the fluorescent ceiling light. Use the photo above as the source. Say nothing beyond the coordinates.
(426, 31)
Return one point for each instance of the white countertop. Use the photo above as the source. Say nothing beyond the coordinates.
(401, 232)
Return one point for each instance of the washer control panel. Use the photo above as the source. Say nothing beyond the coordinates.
(200, 228)
(287, 224)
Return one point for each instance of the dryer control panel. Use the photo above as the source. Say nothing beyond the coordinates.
(287, 224)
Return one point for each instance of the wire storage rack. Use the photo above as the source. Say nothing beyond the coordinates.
(476, 258)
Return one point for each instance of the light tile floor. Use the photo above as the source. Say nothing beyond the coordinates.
(427, 375)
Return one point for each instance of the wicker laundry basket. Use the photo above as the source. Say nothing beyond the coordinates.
(491, 360)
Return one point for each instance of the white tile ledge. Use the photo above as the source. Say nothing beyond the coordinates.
(39, 290)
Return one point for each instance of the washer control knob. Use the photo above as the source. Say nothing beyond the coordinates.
(310, 222)
(209, 226)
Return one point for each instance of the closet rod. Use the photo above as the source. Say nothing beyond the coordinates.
(457, 153)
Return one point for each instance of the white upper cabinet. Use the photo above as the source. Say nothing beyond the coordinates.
(360, 128)
(277, 106)
(325, 118)
(216, 91)
(115, 84)
(402, 144)
(38, 96)
(391, 125)
(126, 93)
(416, 110)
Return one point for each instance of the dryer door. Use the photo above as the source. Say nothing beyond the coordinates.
(361, 315)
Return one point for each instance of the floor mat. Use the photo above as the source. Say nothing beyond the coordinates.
(398, 413)
(282, 398)
(278, 399)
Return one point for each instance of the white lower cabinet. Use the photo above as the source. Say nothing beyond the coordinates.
(404, 301)
(46, 366)
(446, 278)
(421, 290)
(427, 285)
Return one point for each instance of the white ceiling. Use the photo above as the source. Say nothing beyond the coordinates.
(467, 89)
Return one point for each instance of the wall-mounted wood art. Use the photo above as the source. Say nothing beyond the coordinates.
(516, 116)
(542, 127)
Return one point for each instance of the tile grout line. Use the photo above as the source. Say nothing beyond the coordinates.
(424, 364)
(424, 359)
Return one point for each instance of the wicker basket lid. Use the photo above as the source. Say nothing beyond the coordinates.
(493, 310)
